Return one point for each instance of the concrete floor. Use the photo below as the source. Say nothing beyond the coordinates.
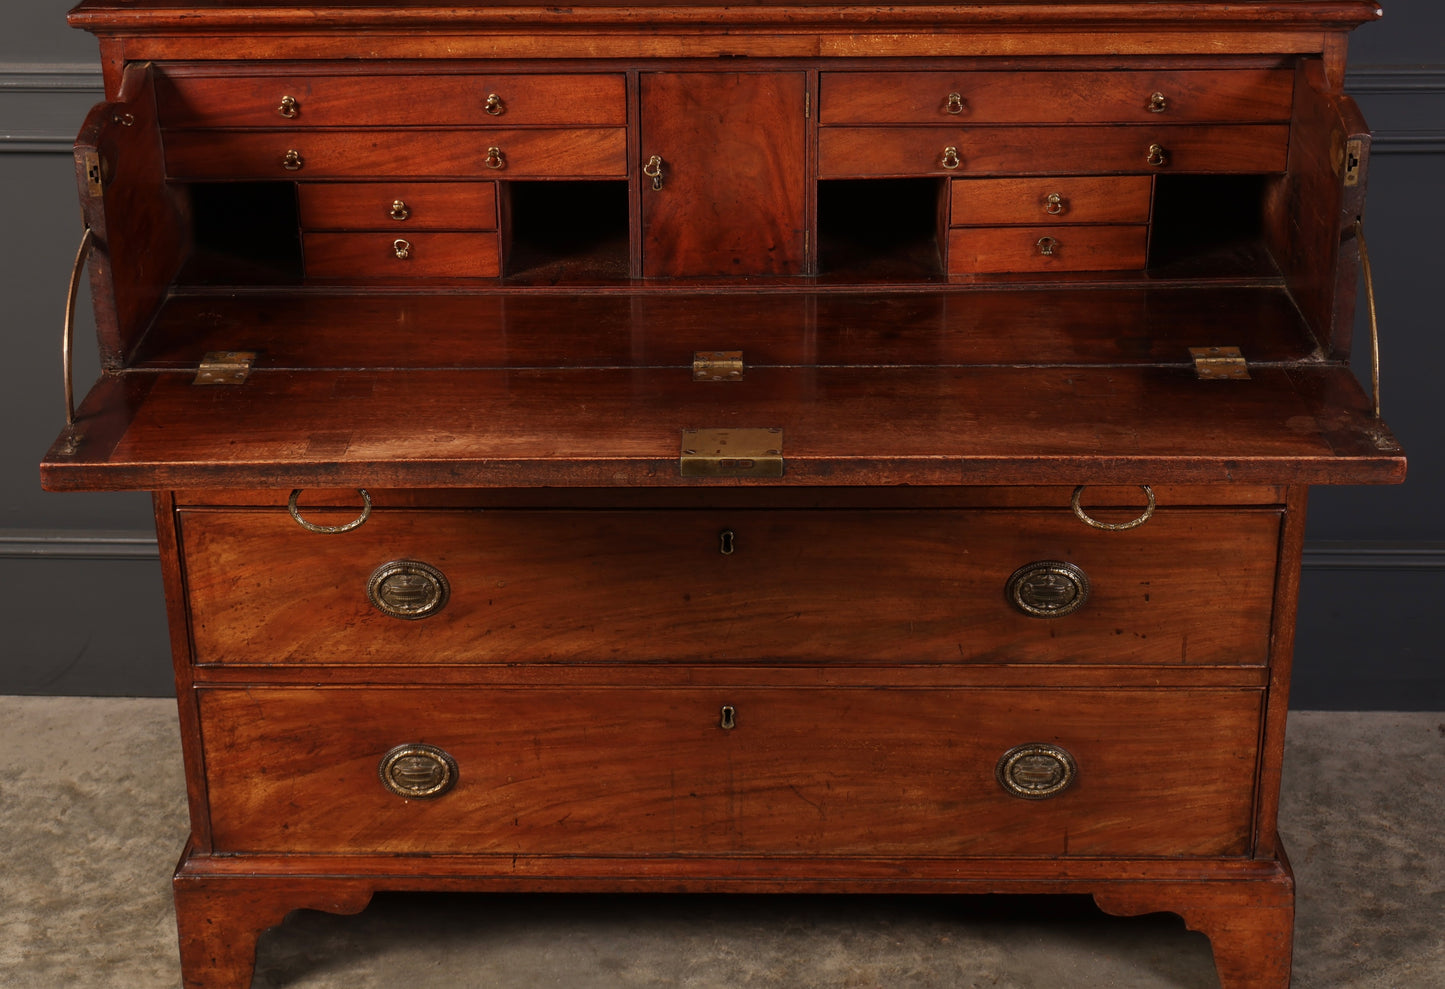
(92, 819)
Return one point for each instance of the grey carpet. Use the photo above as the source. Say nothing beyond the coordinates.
(92, 818)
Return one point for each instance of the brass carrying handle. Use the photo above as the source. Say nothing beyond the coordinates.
(67, 340)
(1113, 526)
(330, 530)
(950, 158)
(1374, 316)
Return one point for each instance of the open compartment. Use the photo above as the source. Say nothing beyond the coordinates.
(564, 231)
(243, 233)
(1210, 226)
(881, 229)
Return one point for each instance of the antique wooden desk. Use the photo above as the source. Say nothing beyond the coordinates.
(787, 446)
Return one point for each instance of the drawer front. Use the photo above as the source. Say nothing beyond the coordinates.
(394, 254)
(1230, 95)
(301, 100)
(863, 152)
(418, 153)
(994, 250)
(400, 206)
(1189, 586)
(803, 771)
(1067, 199)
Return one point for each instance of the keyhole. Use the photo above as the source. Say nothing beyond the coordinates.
(729, 719)
(727, 542)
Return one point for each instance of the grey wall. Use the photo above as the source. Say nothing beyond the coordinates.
(80, 600)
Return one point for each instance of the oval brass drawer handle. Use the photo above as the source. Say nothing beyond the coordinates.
(1036, 771)
(1113, 526)
(1048, 589)
(417, 771)
(330, 530)
(408, 589)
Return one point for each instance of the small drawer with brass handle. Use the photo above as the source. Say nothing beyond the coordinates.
(345, 257)
(1064, 199)
(413, 205)
(997, 250)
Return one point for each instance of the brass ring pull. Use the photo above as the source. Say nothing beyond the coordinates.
(399, 210)
(1158, 103)
(330, 530)
(950, 158)
(495, 159)
(67, 339)
(1046, 246)
(1374, 316)
(292, 161)
(417, 771)
(955, 103)
(653, 170)
(1054, 204)
(494, 105)
(402, 249)
(289, 108)
(1157, 156)
(1036, 771)
(1113, 526)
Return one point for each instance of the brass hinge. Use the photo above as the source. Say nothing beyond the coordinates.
(807, 104)
(717, 365)
(1219, 363)
(1353, 151)
(732, 453)
(225, 367)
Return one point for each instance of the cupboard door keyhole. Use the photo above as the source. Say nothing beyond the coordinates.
(727, 542)
(729, 719)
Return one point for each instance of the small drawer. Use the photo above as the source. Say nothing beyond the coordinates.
(412, 153)
(712, 770)
(402, 206)
(396, 254)
(302, 100)
(1066, 199)
(995, 250)
(1065, 96)
(864, 152)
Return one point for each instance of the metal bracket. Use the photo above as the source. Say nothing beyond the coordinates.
(1353, 150)
(732, 453)
(225, 367)
(94, 177)
(717, 365)
(1219, 363)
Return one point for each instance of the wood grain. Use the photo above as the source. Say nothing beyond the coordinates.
(1082, 199)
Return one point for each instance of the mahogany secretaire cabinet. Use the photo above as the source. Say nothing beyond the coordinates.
(776, 446)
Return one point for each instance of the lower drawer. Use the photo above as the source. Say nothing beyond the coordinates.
(392, 254)
(641, 771)
(995, 250)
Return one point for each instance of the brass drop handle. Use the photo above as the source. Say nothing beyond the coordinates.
(728, 718)
(1157, 156)
(950, 158)
(330, 530)
(292, 161)
(417, 771)
(1085, 518)
(955, 103)
(289, 108)
(1158, 103)
(653, 170)
(1036, 771)
(402, 249)
(399, 210)
(1046, 246)
(494, 105)
(1054, 204)
(495, 159)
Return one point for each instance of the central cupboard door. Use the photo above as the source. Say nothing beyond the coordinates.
(723, 156)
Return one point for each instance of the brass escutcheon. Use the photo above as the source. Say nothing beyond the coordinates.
(728, 719)
(653, 170)
(1047, 589)
(950, 158)
(292, 161)
(955, 103)
(727, 542)
(1036, 771)
(408, 589)
(1046, 246)
(1054, 204)
(399, 210)
(1158, 103)
(289, 108)
(402, 249)
(1157, 156)
(494, 105)
(417, 771)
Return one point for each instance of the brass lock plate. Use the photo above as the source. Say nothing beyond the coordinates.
(732, 453)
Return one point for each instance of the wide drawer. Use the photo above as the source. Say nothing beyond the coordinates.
(403, 206)
(648, 771)
(410, 153)
(1190, 586)
(303, 100)
(994, 250)
(395, 254)
(862, 152)
(1065, 199)
(1063, 96)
